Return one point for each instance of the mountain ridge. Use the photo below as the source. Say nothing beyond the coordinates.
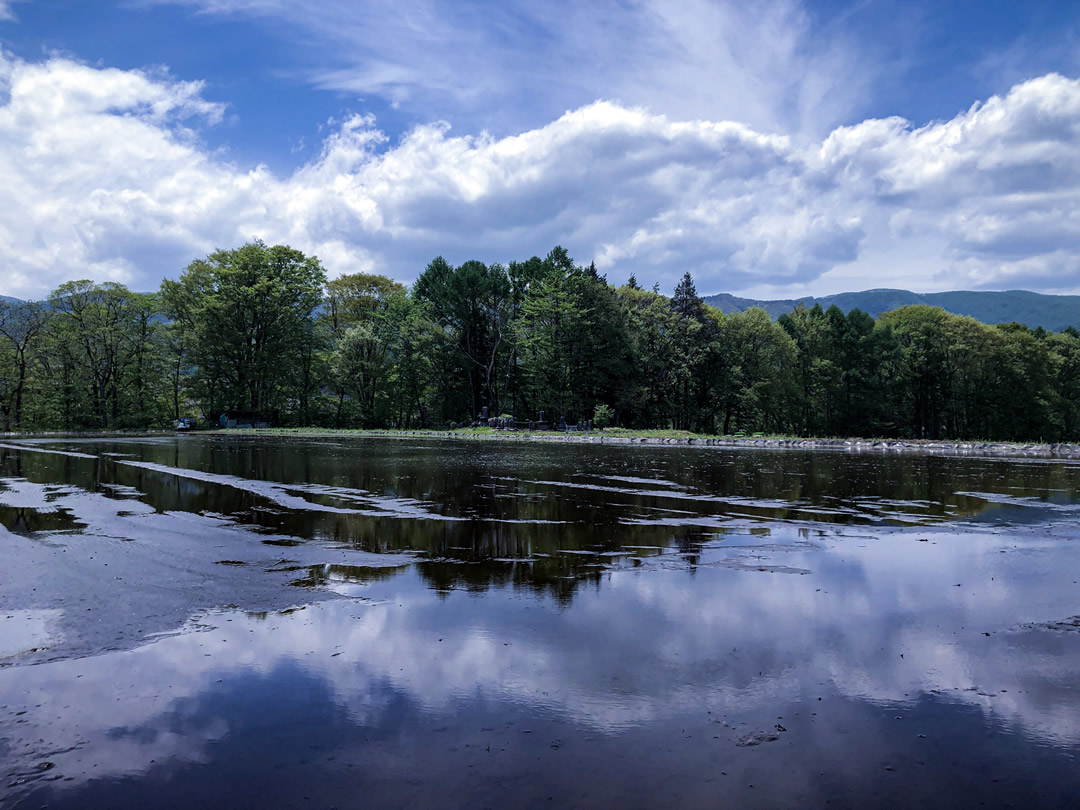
(1053, 312)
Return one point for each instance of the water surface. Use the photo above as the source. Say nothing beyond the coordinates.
(325, 622)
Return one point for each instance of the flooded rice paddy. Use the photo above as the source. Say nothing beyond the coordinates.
(247, 622)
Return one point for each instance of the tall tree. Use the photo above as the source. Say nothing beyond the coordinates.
(472, 303)
(922, 378)
(1063, 349)
(178, 304)
(22, 325)
(759, 384)
(92, 323)
(651, 330)
(251, 314)
(360, 318)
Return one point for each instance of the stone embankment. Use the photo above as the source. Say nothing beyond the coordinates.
(856, 445)
(850, 445)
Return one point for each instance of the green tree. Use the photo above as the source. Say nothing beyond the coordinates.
(93, 327)
(651, 328)
(22, 327)
(357, 364)
(472, 304)
(1064, 354)
(921, 370)
(758, 387)
(359, 322)
(603, 415)
(820, 370)
(572, 339)
(252, 325)
(178, 305)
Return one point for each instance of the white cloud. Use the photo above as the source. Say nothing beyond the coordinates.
(998, 186)
(106, 177)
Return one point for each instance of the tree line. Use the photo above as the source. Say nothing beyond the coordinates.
(259, 330)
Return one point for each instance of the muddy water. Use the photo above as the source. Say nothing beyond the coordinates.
(200, 621)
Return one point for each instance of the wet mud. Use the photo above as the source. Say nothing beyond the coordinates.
(247, 622)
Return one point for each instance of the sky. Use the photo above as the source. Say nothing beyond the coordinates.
(772, 149)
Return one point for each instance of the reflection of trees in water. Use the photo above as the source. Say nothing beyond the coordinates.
(559, 576)
(11, 463)
(507, 482)
(466, 506)
(326, 573)
(28, 521)
(688, 544)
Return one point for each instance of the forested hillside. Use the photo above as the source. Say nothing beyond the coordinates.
(1054, 312)
(260, 330)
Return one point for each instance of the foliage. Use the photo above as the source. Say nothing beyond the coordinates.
(603, 415)
(98, 362)
(22, 327)
(252, 329)
(259, 331)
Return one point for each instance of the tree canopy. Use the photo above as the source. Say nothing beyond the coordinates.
(260, 330)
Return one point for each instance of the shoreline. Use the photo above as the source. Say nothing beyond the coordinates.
(928, 447)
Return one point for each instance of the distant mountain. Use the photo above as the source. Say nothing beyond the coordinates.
(1053, 312)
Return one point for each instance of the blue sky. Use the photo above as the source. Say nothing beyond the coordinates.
(774, 149)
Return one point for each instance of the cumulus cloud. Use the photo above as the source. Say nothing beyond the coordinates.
(998, 185)
(106, 177)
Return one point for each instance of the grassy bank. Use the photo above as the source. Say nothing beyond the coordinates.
(486, 432)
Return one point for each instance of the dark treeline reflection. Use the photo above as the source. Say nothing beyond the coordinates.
(545, 518)
(258, 333)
